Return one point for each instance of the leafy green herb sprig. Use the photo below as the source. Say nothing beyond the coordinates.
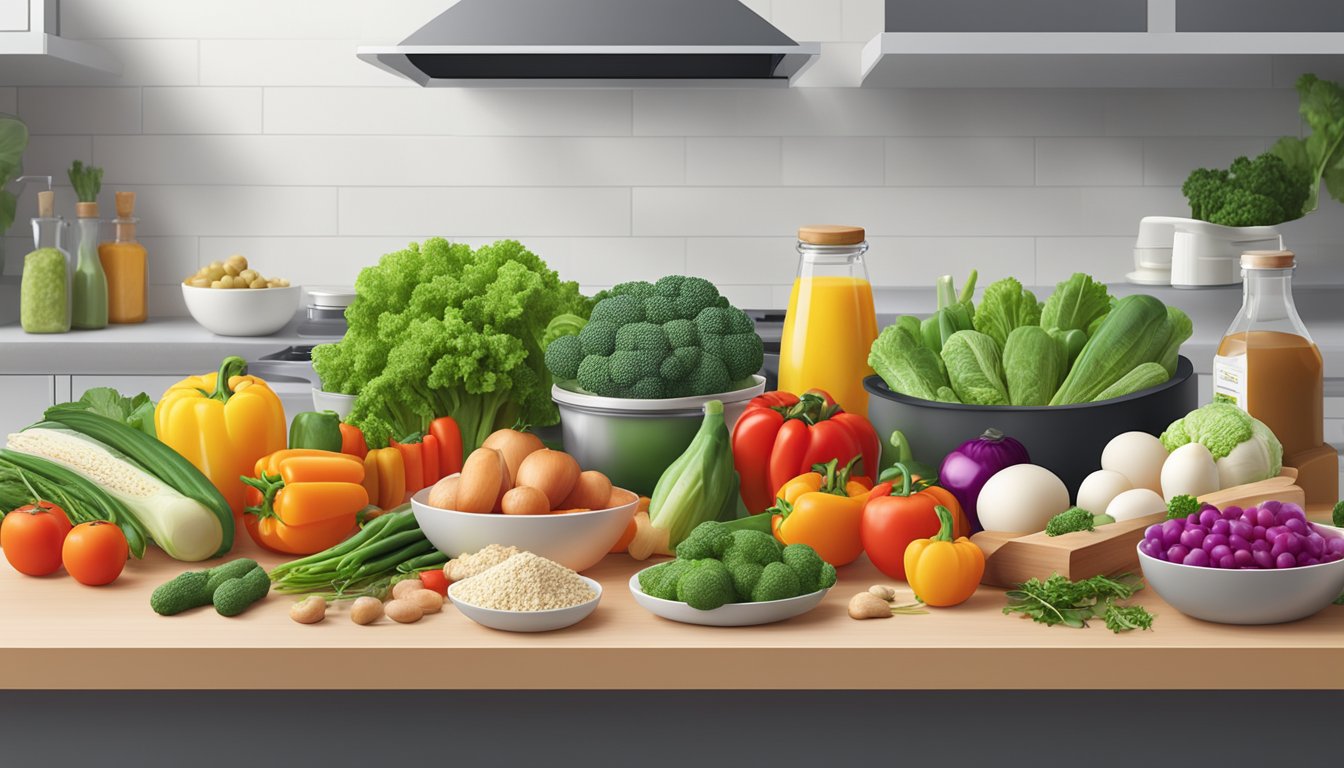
(87, 181)
(1073, 603)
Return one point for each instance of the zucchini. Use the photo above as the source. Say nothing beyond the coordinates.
(155, 458)
(95, 499)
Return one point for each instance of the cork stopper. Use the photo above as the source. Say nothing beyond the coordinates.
(830, 234)
(46, 204)
(1268, 260)
(86, 210)
(125, 216)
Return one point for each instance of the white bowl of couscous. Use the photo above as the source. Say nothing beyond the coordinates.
(526, 593)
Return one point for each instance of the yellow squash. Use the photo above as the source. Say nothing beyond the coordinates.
(222, 423)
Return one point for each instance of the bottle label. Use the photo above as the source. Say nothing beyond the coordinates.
(1229, 380)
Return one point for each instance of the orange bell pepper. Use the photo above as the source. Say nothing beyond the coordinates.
(942, 571)
(352, 441)
(222, 423)
(304, 503)
(822, 509)
(385, 477)
(412, 463)
(449, 435)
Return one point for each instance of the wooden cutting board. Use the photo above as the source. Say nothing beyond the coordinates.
(1011, 559)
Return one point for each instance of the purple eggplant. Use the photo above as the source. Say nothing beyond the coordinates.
(966, 470)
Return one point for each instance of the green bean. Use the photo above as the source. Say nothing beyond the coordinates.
(433, 559)
(381, 547)
(391, 561)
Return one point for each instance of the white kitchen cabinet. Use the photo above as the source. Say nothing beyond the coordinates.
(24, 398)
(32, 52)
(14, 15)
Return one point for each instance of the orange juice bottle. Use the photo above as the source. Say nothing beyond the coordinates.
(125, 263)
(831, 322)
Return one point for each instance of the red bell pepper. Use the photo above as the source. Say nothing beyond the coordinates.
(449, 436)
(352, 441)
(901, 510)
(430, 455)
(781, 436)
(413, 461)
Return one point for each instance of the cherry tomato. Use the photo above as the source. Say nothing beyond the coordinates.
(31, 537)
(435, 580)
(95, 552)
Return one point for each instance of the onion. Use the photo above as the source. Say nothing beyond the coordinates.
(966, 470)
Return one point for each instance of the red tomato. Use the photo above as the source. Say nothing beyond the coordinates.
(31, 537)
(95, 552)
(435, 580)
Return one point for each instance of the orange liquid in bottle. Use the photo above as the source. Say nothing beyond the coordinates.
(828, 331)
(1284, 387)
(125, 266)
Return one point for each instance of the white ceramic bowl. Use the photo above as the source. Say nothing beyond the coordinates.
(1247, 596)
(731, 615)
(577, 540)
(333, 401)
(242, 312)
(529, 621)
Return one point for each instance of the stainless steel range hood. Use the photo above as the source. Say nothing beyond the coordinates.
(595, 42)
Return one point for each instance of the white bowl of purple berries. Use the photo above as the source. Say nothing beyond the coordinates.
(1265, 564)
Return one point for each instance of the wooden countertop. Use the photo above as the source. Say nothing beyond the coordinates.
(57, 634)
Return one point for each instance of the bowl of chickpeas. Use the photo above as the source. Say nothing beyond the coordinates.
(231, 298)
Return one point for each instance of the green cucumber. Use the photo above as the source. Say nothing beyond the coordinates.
(155, 458)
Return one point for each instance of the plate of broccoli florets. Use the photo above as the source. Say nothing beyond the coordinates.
(734, 578)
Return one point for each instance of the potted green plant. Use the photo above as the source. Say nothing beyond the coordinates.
(13, 141)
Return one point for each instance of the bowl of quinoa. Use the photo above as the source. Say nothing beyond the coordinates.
(526, 593)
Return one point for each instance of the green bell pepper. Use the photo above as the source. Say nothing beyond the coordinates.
(320, 430)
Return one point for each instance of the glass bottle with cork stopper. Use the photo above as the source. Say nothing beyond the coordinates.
(125, 262)
(89, 283)
(44, 290)
(1268, 366)
(831, 322)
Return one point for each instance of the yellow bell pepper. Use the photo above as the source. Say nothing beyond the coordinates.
(941, 571)
(824, 510)
(222, 423)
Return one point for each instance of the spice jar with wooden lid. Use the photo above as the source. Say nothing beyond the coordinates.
(125, 262)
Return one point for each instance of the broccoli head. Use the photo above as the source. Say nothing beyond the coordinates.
(1181, 507)
(660, 581)
(706, 585)
(806, 564)
(1337, 515)
(1258, 192)
(745, 577)
(828, 576)
(674, 338)
(778, 582)
(1070, 520)
(706, 540)
(755, 547)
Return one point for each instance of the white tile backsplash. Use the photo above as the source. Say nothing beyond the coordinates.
(249, 126)
(1077, 162)
(985, 161)
(202, 110)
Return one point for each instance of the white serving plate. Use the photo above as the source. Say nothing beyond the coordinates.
(528, 621)
(731, 615)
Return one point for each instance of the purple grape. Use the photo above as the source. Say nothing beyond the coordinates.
(1258, 532)
(1272, 506)
(1291, 511)
(1263, 558)
(1308, 561)
(1233, 513)
(1177, 553)
(1192, 519)
(1171, 533)
(1152, 548)
(1213, 540)
(1192, 537)
(1264, 517)
(1227, 561)
(1209, 516)
(1274, 531)
(1260, 545)
(1197, 557)
(1315, 544)
(1335, 545)
(1221, 526)
(1153, 532)
(1242, 528)
(1243, 558)
(1236, 542)
(1279, 548)
(1217, 553)
(1285, 560)
(1296, 525)
(1330, 557)
(1291, 543)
